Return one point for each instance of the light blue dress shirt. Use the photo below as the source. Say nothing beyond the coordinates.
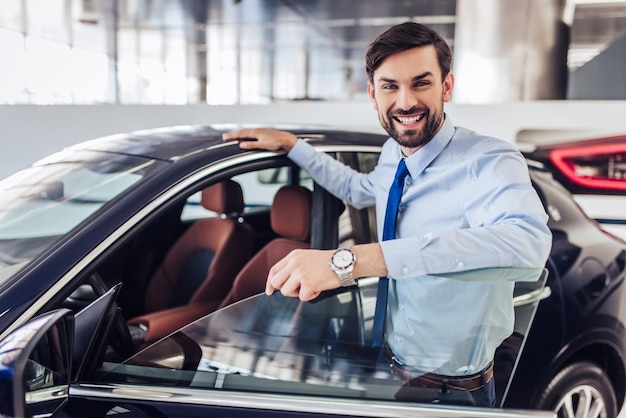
(467, 204)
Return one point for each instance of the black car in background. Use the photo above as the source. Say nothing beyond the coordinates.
(589, 164)
(104, 250)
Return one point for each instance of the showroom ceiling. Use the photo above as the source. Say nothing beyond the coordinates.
(346, 26)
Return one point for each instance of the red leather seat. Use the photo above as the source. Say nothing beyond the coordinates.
(201, 266)
(291, 219)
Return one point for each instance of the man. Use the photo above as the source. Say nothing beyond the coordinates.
(466, 203)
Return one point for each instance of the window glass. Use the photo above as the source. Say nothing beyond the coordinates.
(47, 19)
(327, 74)
(175, 68)
(11, 16)
(41, 204)
(275, 344)
(140, 66)
(290, 61)
(150, 71)
(89, 27)
(258, 187)
(255, 51)
(222, 83)
(91, 89)
(48, 71)
(128, 66)
(194, 210)
(12, 67)
(254, 78)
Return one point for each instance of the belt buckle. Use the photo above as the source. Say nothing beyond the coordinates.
(395, 360)
(399, 369)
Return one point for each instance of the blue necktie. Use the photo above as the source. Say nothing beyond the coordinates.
(389, 232)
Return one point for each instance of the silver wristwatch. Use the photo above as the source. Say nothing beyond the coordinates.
(342, 262)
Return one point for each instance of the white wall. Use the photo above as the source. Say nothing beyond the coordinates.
(29, 133)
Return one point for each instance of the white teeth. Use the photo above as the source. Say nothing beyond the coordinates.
(408, 121)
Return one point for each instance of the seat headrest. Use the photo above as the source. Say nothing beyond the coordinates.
(291, 212)
(223, 197)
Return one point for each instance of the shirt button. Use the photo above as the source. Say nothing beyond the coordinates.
(460, 264)
(406, 270)
(401, 307)
(409, 181)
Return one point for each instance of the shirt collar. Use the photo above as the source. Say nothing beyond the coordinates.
(421, 159)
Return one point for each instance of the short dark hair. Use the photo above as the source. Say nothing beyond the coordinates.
(403, 37)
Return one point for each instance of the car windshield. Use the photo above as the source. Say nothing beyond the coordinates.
(279, 345)
(41, 204)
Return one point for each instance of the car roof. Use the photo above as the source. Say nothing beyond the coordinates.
(174, 143)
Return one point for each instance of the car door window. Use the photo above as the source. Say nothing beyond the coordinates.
(279, 345)
(259, 188)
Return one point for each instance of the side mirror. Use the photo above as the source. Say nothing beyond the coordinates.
(35, 366)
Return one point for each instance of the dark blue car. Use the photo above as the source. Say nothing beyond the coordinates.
(131, 276)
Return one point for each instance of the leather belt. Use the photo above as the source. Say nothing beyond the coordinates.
(468, 383)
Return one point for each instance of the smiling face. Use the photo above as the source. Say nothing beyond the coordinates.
(408, 94)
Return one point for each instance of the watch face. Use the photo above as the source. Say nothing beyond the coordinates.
(343, 258)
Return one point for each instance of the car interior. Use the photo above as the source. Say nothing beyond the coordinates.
(199, 268)
(220, 242)
(290, 218)
(207, 256)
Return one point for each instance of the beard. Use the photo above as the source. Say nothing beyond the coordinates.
(413, 138)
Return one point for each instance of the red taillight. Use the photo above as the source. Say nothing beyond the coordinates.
(601, 166)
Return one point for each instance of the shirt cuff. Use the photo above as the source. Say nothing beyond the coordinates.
(404, 257)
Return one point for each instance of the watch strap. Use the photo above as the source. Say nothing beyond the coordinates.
(346, 279)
